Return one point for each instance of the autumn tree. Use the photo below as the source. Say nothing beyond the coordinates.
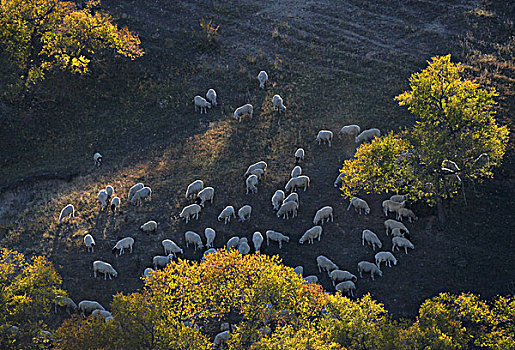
(455, 138)
(42, 35)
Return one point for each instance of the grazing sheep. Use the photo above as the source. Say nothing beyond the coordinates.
(359, 204)
(149, 226)
(385, 257)
(299, 181)
(311, 234)
(311, 279)
(389, 205)
(367, 135)
(147, 274)
(135, 189)
(338, 276)
(371, 239)
(66, 302)
(205, 195)
(194, 188)
(244, 213)
(339, 180)
(67, 212)
(124, 243)
(277, 199)
(405, 212)
(287, 208)
(101, 313)
(365, 266)
(110, 191)
(226, 214)
(210, 236)
(201, 103)
(102, 198)
(243, 110)
(189, 211)
(161, 261)
(211, 97)
(401, 242)
(105, 268)
(259, 165)
(277, 102)
(257, 240)
(221, 338)
(324, 263)
(324, 136)
(141, 194)
(207, 252)
(97, 157)
(396, 232)
(258, 172)
(276, 236)
(88, 306)
(193, 237)
(350, 131)
(292, 197)
(390, 224)
(263, 78)
(399, 198)
(323, 213)
(89, 242)
(251, 183)
(171, 247)
(115, 204)
(346, 286)
(299, 270)
(233, 243)
(297, 171)
(299, 155)
(243, 246)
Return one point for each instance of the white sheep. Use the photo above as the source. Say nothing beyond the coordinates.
(287, 208)
(88, 306)
(105, 268)
(201, 103)
(226, 214)
(67, 212)
(147, 274)
(102, 198)
(277, 102)
(97, 158)
(257, 240)
(134, 189)
(171, 247)
(243, 110)
(124, 243)
(233, 243)
(277, 199)
(259, 165)
(405, 212)
(244, 213)
(205, 195)
(390, 224)
(189, 211)
(193, 237)
(397, 232)
(398, 198)
(346, 286)
(323, 213)
(293, 197)
(145, 192)
(109, 190)
(66, 302)
(359, 204)
(401, 242)
(299, 181)
(210, 236)
(324, 136)
(349, 131)
(251, 183)
(115, 204)
(365, 266)
(101, 314)
(161, 261)
(338, 276)
(311, 234)
(297, 171)
(149, 226)
(89, 241)
(263, 78)
(207, 252)
(339, 180)
(324, 263)
(299, 270)
(385, 257)
(194, 188)
(276, 236)
(299, 155)
(389, 205)
(311, 279)
(211, 97)
(258, 172)
(371, 239)
(243, 246)
(367, 135)
(221, 338)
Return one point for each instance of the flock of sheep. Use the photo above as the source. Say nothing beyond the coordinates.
(285, 203)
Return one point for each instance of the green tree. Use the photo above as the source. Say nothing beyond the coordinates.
(42, 35)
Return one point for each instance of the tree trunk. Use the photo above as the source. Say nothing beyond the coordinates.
(441, 213)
